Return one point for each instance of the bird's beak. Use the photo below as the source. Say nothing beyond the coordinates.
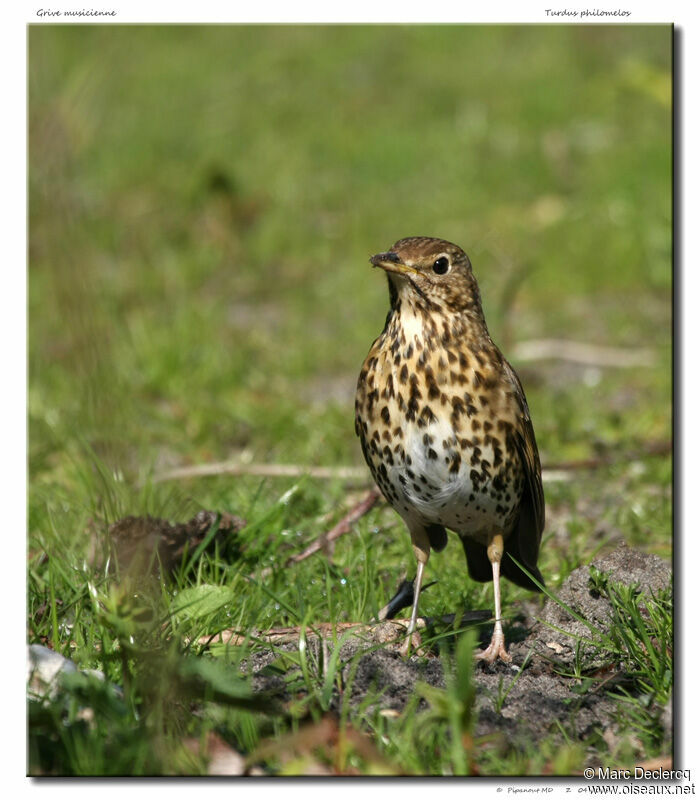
(392, 263)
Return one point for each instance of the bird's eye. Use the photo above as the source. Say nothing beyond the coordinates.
(441, 265)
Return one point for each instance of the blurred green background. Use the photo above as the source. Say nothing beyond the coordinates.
(203, 204)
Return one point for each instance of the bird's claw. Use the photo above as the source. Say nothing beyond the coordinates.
(496, 650)
(412, 642)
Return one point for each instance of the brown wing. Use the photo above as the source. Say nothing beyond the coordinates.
(524, 541)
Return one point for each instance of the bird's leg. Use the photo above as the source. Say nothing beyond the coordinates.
(421, 549)
(497, 648)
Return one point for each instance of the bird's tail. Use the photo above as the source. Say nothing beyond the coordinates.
(511, 570)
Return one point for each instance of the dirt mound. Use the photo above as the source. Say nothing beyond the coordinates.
(624, 566)
(148, 544)
(522, 706)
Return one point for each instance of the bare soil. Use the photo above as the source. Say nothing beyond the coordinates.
(544, 697)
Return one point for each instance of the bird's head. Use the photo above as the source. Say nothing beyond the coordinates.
(431, 273)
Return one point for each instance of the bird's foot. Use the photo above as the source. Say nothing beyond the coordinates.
(496, 650)
(411, 643)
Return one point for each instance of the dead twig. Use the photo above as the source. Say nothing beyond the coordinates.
(380, 632)
(656, 448)
(582, 353)
(357, 512)
(550, 472)
(261, 471)
(385, 632)
(344, 526)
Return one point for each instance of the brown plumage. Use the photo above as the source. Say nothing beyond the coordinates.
(444, 423)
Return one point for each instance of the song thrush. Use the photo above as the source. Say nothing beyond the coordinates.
(445, 427)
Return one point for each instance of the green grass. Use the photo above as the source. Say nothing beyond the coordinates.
(203, 202)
